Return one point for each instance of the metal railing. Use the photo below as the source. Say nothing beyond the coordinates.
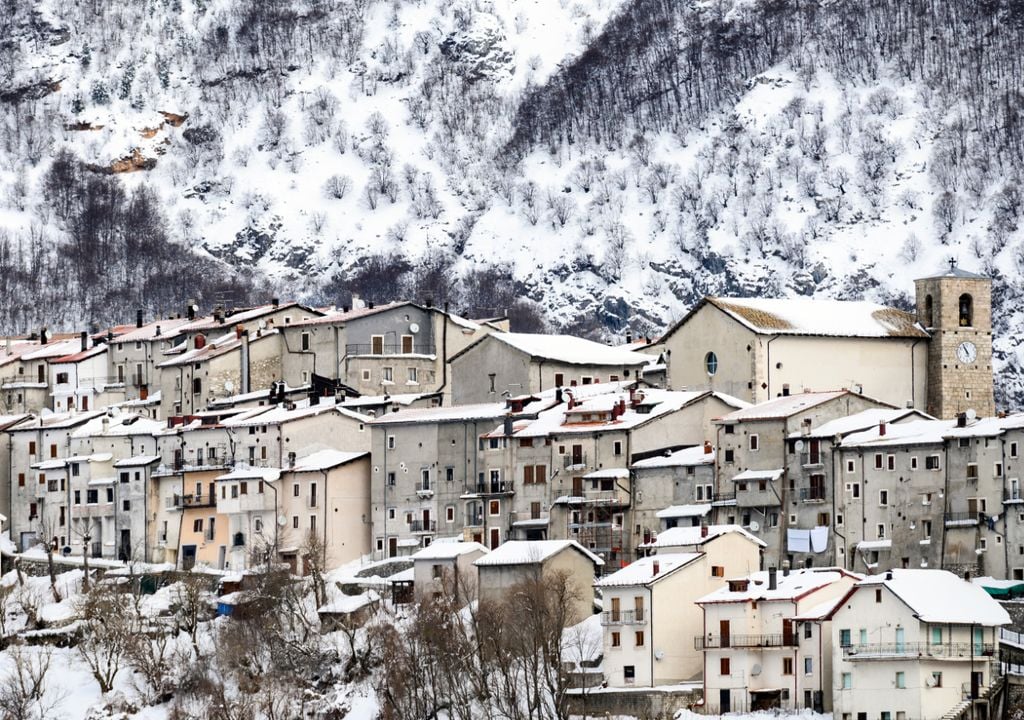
(771, 640)
(723, 498)
(962, 518)
(494, 487)
(198, 500)
(812, 494)
(475, 520)
(809, 460)
(420, 526)
(1012, 495)
(965, 650)
(574, 460)
(424, 489)
(388, 349)
(623, 617)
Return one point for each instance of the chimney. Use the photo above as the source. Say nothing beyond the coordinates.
(888, 575)
(881, 428)
(238, 332)
(200, 341)
(44, 335)
(785, 390)
(218, 314)
(773, 582)
(369, 305)
(558, 396)
(244, 362)
(707, 447)
(430, 302)
(158, 331)
(961, 420)
(805, 426)
(629, 337)
(190, 310)
(138, 318)
(276, 302)
(785, 568)
(85, 340)
(656, 567)
(703, 531)
(508, 426)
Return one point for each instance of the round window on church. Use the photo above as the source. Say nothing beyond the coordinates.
(711, 363)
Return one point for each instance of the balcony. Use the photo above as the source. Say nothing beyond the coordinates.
(947, 651)
(719, 642)
(811, 460)
(1013, 496)
(962, 519)
(575, 460)
(424, 490)
(812, 494)
(494, 487)
(475, 519)
(190, 501)
(418, 526)
(388, 349)
(724, 499)
(624, 617)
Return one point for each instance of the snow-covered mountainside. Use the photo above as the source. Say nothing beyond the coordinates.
(592, 164)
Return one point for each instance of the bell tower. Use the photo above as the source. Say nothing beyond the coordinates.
(956, 308)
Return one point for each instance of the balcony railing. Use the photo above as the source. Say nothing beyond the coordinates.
(424, 489)
(812, 494)
(198, 500)
(960, 519)
(574, 460)
(811, 460)
(474, 520)
(965, 650)
(718, 642)
(494, 487)
(420, 526)
(388, 349)
(623, 617)
(724, 499)
(1013, 495)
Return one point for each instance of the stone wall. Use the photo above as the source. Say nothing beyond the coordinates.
(640, 703)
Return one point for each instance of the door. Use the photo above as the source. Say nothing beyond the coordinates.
(900, 644)
(535, 511)
(638, 608)
(813, 452)
(577, 487)
(222, 556)
(407, 344)
(787, 633)
(977, 680)
(188, 557)
(577, 454)
(723, 631)
(392, 546)
(125, 553)
(85, 402)
(979, 646)
(426, 521)
(616, 609)
(724, 701)
(495, 538)
(377, 345)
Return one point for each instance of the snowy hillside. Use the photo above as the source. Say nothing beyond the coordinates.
(610, 161)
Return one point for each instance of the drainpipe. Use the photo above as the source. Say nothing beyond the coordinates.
(1006, 525)
(913, 373)
(945, 503)
(650, 604)
(444, 354)
(323, 559)
(768, 362)
(835, 486)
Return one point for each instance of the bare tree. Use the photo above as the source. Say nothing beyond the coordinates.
(108, 626)
(25, 692)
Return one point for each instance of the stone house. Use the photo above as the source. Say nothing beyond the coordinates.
(447, 567)
(673, 489)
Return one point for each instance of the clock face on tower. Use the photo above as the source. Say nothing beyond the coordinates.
(966, 352)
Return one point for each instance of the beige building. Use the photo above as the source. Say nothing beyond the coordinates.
(914, 644)
(521, 561)
(649, 616)
(447, 567)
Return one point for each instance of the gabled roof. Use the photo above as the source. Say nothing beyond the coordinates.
(325, 460)
(787, 406)
(918, 432)
(168, 328)
(814, 317)
(565, 349)
(642, 571)
(244, 315)
(857, 422)
(81, 355)
(529, 552)
(797, 584)
(695, 536)
(440, 414)
(939, 596)
(680, 458)
(448, 550)
(955, 272)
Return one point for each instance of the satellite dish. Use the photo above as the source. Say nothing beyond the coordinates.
(799, 445)
(755, 525)
(971, 415)
(229, 386)
(756, 670)
(414, 328)
(262, 325)
(282, 520)
(659, 654)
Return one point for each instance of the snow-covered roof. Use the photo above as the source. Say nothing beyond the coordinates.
(874, 544)
(859, 421)
(288, 412)
(245, 315)
(164, 329)
(696, 536)
(939, 596)
(755, 475)
(80, 355)
(642, 571)
(608, 474)
(683, 511)
(251, 473)
(344, 604)
(325, 460)
(448, 550)
(228, 342)
(56, 349)
(454, 413)
(796, 584)
(782, 407)
(137, 461)
(528, 552)
(917, 432)
(567, 349)
(813, 316)
(680, 458)
(955, 272)
(332, 317)
(51, 420)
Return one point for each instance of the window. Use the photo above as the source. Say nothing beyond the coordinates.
(926, 528)
(808, 630)
(711, 363)
(295, 489)
(883, 497)
(808, 666)
(754, 440)
(197, 386)
(847, 681)
(878, 461)
(449, 474)
(729, 456)
(449, 514)
(717, 571)
(913, 462)
(243, 488)
(32, 447)
(304, 341)
(559, 379)
(839, 520)
(413, 376)
(936, 636)
(494, 507)
(197, 525)
(844, 638)
(997, 470)
(617, 447)
(391, 479)
(78, 497)
(616, 639)
(972, 472)
(881, 531)
(376, 344)
(1013, 449)
(391, 442)
(890, 462)
(855, 489)
(878, 595)
(639, 639)
(787, 666)
(21, 479)
(629, 673)
(392, 513)
(312, 522)
(931, 462)
(366, 375)
(62, 377)
(966, 307)
(936, 679)
(723, 666)
(126, 505)
(53, 451)
(92, 497)
(295, 522)
(851, 466)
(387, 374)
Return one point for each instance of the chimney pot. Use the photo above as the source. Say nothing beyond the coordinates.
(85, 340)
(707, 447)
(703, 531)
(276, 302)
(138, 318)
(881, 428)
(158, 331)
(629, 337)
(785, 390)
(773, 582)
(888, 575)
(656, 567)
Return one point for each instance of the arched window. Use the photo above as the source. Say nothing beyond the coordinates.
(966, 311)
(928, 312)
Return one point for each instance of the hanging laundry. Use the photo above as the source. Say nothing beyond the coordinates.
(798, 540)
(819, 539)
